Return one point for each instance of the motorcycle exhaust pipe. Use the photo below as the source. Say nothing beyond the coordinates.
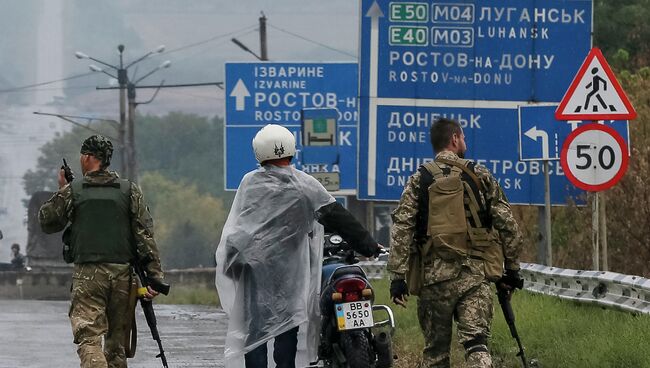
(384, 349)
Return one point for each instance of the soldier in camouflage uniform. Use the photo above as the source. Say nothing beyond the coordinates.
(453, 286)
(110, 227)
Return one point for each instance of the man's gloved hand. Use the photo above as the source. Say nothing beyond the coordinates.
(511, 281)
(399, 292)
(379, 250)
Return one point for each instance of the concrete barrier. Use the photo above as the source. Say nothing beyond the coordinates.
(51, 285)
(55, 284)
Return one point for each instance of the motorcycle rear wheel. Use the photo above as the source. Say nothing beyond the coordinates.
(357, 350)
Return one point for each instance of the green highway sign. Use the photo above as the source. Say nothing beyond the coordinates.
(409, 12)
(408, 36)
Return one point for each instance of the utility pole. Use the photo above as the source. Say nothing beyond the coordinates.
(122, 79)
(125, 135)
(131, 88)
(263, 56)
(263, 50)
(133, 171)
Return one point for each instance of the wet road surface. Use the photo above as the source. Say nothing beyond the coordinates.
(36, 334)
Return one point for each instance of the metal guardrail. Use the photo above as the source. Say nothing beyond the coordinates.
(374, 269)
(607, 289)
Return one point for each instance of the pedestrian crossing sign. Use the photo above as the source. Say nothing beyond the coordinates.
(595, 94)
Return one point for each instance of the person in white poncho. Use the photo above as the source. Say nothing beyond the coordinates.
(270, 253)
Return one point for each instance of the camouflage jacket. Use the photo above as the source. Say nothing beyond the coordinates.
(404, 227)
(57, 211)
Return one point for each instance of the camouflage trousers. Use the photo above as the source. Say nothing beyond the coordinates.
(467, 299)
(100, 308)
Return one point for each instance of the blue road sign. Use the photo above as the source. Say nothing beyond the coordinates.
(541, 136)
(275, 93)
(492, 139)
(472, 60)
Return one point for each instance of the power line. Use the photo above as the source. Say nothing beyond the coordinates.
(48, 89)
(30, 86)
(201, 52)
(45, 83)
(312, 41)
(214, 38)
(178, 93)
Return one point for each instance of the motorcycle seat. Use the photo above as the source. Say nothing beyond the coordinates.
(347, 270)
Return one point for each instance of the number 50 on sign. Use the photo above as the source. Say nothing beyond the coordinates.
(594, 157)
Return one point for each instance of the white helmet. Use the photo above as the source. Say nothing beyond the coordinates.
(273, 142)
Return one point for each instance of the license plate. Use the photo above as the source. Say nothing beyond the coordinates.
(354, 315)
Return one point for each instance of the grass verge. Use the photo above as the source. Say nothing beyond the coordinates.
(188, 295)
(555, 332)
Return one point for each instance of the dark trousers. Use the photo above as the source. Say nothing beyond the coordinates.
(284, 352)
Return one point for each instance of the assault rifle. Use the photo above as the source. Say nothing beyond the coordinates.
(69, 175)
(506, 307)
(147, 307)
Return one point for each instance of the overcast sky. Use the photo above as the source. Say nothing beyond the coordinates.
(197, 33)
(40, 38)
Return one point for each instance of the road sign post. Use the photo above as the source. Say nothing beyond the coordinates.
(540, 139)
(596, 94)
(594, 158)
(547, 215)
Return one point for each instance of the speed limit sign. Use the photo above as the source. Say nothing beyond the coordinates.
(594, 157)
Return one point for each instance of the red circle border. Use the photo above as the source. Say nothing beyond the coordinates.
(608, 184)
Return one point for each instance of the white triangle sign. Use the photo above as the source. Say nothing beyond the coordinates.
(595, 94)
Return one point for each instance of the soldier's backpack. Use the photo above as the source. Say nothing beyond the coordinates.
(457, 222)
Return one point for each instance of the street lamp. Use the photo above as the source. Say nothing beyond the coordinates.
(243, 47)
(165, 64)
(263, 50)
(127, 158)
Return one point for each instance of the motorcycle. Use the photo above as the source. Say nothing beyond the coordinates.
(350, 335)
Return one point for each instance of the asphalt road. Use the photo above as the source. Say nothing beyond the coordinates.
(36, 334)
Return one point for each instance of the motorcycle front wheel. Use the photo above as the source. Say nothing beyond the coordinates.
(357, 350)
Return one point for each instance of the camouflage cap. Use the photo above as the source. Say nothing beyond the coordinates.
(99, 147)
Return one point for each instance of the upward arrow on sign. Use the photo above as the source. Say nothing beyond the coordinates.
(240, 92)
(374, 13)
(595, 94)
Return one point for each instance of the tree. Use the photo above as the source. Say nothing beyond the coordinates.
(187, 223)
(183, 147)
(67, 145)
(622, 31)
(181, 172)
(628, 203)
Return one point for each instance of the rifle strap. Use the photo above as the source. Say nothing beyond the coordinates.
(467, 171)
(131, 335)
(426, 179)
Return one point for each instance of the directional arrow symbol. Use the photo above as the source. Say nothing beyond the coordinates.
(374, 13)
(240, 92)
(533, 134)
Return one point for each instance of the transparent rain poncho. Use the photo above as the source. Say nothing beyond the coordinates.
(269, 260)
